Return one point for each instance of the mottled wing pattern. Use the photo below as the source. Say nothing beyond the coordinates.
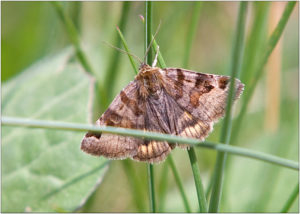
(124, 111)
(202, 98)
(186, 103)
(127, 110)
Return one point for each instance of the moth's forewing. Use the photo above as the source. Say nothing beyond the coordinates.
(203, 98)
(172, 100)
(128, 110)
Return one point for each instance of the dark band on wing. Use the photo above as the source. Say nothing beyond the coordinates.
(131, 104)
(94, 134)
(112, 118)
(199, 81)
(179, 84)
(180, 77)
(223, 81)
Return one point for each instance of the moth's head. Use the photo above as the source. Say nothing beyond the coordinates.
(149, 80)
(144, 68)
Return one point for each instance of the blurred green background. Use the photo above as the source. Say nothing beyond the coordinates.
(32, 31)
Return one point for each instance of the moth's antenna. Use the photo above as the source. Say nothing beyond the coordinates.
(155, 59)
(123, 51)
(152, 41)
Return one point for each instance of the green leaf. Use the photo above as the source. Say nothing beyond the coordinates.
(45, 170)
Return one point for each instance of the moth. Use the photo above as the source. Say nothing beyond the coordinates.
(172, 100)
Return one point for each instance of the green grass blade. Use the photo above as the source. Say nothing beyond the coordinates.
(177, 178)
(226, 129)
(110, 78)
(179, 184)
(155, 48)
(151, 188)
(171, 162)
(76, 15)
(290, 200)
(137, 194)
(11, 121)
(148, 31)
(191, 33)
(160, 59)
(256, 39)
(163, 187)
(197, 178)
(137, 197)
(192, 155)
(136, 70)
(251, 154)
(253, 50)
(163, 65)
(275, 36)
(73, 36)
(148, 36)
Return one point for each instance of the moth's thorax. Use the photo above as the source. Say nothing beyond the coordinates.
(149, 80)
(172, 101)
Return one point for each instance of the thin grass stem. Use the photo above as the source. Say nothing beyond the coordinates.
(191, 33)
(148, 36)
(177, 178)
(191, 152)
(155, 48)
(226, 129)
(198, 183)
(291, 199)
(174, 170)
(110, 78)
(148, 31)
(179, 184)
(73, 36)
(76, 15)
(256, 39)
(171, 162)
(136, 70)
(163, 187)
(274, 38)
(127, 165)
(151, 188)
(11, 121)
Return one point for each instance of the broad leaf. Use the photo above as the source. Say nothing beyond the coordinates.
(45, 170)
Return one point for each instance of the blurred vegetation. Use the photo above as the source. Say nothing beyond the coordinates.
(32, 30)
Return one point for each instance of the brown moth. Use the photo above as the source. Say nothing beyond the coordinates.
(172, 101)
